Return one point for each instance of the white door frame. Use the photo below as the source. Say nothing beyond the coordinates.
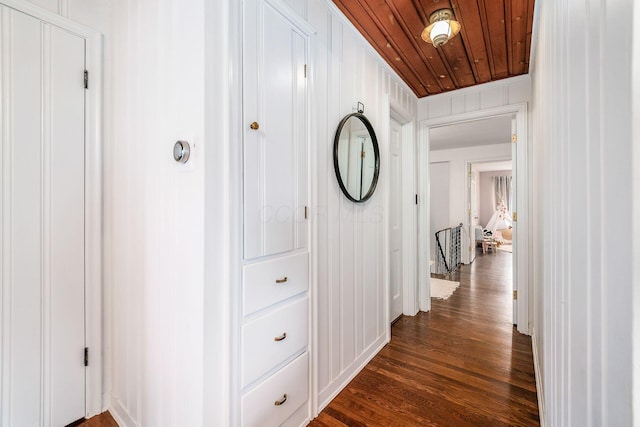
(522, 225)
(469, 163)
(410, 290)
(396, 305)
(94, 402)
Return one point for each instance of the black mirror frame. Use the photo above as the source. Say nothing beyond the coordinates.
(376, 152)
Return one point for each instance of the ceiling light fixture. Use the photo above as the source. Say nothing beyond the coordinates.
(442, 28)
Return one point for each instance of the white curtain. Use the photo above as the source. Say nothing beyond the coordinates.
(502, 193)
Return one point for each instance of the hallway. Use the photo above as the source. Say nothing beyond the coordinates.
(462, 364)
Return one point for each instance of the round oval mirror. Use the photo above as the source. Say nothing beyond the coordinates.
(356, 157)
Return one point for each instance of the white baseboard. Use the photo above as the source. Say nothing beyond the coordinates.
(331, 391)
(538, 374)
(120, 414)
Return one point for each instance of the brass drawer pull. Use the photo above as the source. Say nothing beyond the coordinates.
(281, 337)
(281, 401)
(284, 279)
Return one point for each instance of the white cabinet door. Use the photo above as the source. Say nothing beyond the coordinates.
(42, 223)
(275, 147)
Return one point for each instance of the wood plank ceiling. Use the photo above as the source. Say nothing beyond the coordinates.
(494, 42)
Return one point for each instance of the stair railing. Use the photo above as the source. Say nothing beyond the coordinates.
(448, 250)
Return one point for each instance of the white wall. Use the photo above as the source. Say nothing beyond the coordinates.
(478, 98)
(635, 67)
(458, 159)
(350, 239)
(92, 13)
(439, 200)
(155, 212)
(582, 215)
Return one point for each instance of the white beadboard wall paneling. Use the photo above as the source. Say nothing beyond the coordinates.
(636, 213)
(22, 397)
(5, 219)
(92, 14)
(298, 6)
(223, 211)
(157, 212)
(401, 89)
(514, 90)
(50, 5)
(350, 257)
(582, 127)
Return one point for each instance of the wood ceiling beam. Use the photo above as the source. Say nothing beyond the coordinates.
(486, 35)
(519, 18)
(530, 9)
(508, 22)
(476, 50)
(448, 67)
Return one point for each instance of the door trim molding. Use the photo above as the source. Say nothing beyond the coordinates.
(410, 297)
(95, 401)
(522, 243)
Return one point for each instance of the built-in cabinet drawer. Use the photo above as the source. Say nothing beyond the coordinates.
(273, 338)
(278, 397)
(268, 282)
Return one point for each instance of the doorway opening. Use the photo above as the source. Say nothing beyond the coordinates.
(458, 149)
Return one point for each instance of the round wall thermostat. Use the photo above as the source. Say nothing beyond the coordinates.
(181, 151)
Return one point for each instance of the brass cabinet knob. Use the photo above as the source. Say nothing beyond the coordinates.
(254, 126)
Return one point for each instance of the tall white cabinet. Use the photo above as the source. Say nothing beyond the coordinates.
(274, 325)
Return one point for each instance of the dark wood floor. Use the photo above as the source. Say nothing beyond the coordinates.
(103, 420)
(461, 364)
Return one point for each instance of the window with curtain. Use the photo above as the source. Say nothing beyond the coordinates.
(502, 193)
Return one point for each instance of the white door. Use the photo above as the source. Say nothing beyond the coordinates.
(514, 213)
(43, 308)
(275, 132)
(395, 221)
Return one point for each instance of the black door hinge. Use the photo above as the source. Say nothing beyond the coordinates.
(416, 199)
(86, 356)
(86, 79)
